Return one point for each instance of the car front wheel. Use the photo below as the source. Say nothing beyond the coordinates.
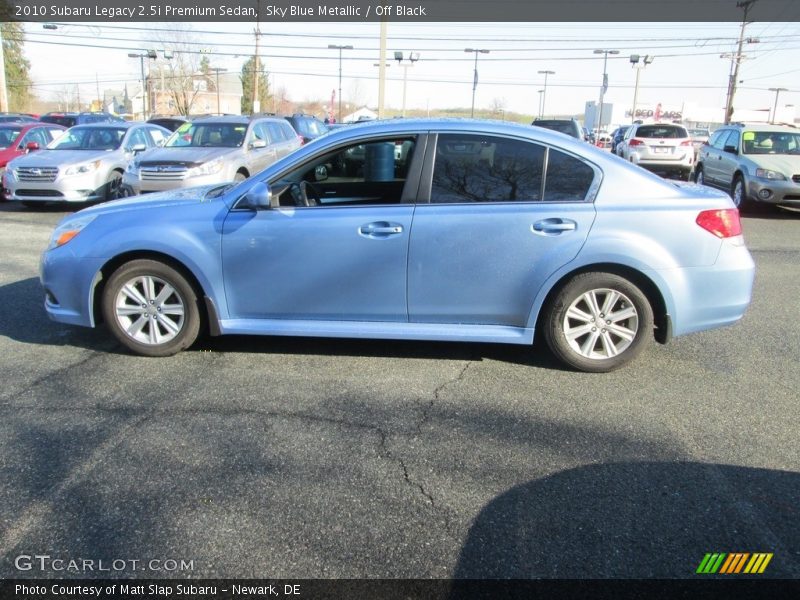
(151, 308)
(598, 322)
(738, 193)
(699, 176)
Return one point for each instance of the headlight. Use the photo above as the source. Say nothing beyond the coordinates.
(84, 168)
(210, 168)
(68, 230)
(767, 174)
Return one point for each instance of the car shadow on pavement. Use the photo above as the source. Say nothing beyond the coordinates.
(536, 356)
(23, 319)
(635, 520)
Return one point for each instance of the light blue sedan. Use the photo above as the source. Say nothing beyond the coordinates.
(413, 229)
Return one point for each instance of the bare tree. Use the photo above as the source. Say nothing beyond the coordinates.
(178, 70)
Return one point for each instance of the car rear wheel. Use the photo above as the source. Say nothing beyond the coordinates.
(598, 322)
(151, 308)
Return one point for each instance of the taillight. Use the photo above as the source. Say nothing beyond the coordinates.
(686, 143)
(302, 139)
(635, 142)
(723, 223)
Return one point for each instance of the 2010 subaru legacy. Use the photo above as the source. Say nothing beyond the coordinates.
(447, 230)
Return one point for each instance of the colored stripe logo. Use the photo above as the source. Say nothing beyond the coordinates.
(734, 563)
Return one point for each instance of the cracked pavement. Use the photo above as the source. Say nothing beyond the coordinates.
(306, 458)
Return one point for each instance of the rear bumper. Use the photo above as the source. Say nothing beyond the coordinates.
(715, 296)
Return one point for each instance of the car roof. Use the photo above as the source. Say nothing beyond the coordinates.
(765, 127)
(107, 124)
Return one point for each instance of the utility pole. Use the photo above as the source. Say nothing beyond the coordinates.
(737, 59)
(543, 97)
(381, 70)
(3, 89)
(256, 100)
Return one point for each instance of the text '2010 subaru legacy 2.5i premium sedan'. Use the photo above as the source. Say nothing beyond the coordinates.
(85, 164)
(212, 150)
(478, 231)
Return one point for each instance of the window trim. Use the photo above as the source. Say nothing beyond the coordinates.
(426, 180)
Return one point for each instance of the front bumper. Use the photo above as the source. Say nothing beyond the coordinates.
(770, 191)
(75, 188)
(69, 284)
(139, 186)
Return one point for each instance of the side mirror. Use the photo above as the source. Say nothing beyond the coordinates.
(257, 197)
(321, 173)
(31, 146)
(730, 149)
(258, 144)
(136, 148)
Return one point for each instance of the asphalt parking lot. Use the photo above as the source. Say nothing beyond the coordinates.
(305, 458)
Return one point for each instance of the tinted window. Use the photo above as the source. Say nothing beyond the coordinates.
(473, 168)
(62, 120)
(732, 139)
(37, 135)
(568, 127)
(138, 137)
(661, 131)
(718, 138)
(8, 135)
(275, 132)
(568, 179)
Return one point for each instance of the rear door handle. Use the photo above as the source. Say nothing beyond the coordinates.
(553, 226)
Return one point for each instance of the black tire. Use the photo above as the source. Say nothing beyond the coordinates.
(174, 332)
(589, 351)
(699, 176)
(111, 190)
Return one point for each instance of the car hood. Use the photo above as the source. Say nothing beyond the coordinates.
(181, 196)
(783, 163)
(186, 156)
(62, 158)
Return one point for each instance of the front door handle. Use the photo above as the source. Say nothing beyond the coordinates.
(380, 229)
(553, 226)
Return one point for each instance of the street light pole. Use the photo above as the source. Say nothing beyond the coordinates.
(475, 75)
(544, 91)
(340, 48)
(603, 88)
(412, 57)
(775, 107)
(541, 104)
(636, 65)
(145, 99)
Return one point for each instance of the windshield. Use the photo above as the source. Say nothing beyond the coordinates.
(770, 142)
(8, 135)
(213, 135)
(89, 138)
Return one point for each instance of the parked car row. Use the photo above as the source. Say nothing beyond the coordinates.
(102, 157)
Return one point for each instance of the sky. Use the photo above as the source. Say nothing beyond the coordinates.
(687, 65)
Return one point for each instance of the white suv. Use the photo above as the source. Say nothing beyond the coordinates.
(664, 148)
